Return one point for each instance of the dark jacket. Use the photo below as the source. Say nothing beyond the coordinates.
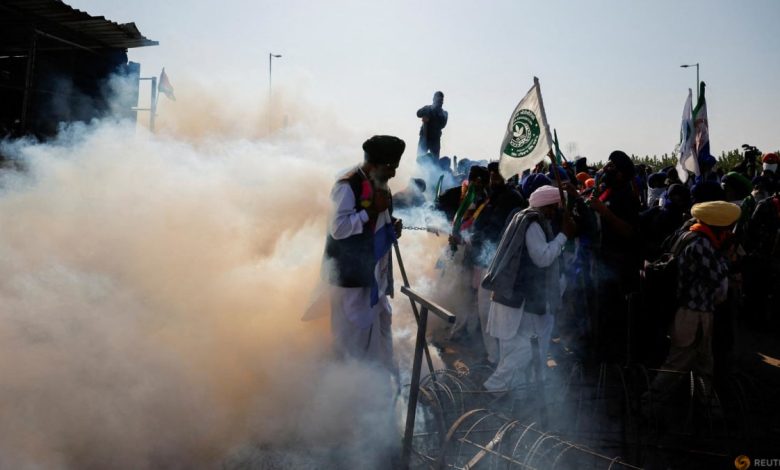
(437, 120)
(491, 222)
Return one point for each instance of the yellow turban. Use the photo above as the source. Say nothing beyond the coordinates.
(716, 213)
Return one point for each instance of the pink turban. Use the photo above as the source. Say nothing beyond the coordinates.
(544, 196)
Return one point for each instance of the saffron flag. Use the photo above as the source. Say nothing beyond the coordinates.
(527, 139)
(686, 158)
(701, 129)
(165, 86)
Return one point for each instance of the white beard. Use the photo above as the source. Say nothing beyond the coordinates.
(376, 182)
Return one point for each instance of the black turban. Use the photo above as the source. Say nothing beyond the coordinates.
(384, 150)
(707, 191)
(657, 180)
(477, 171)
(623, 163)
(581, 165)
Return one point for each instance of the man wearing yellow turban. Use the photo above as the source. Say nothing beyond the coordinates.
(703, 283)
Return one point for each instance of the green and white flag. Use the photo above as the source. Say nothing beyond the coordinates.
(527, 140)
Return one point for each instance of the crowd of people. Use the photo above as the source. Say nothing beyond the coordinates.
(573, 253)
(622, 263)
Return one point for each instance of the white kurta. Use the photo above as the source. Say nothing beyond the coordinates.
(514, 327)
(360, 331)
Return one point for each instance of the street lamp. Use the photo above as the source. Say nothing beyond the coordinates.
(270, 60)
(697, 76)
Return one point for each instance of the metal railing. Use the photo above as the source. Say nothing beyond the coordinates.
(419, 346)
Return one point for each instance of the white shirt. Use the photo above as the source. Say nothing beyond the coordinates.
(345, 222)
(542, 253)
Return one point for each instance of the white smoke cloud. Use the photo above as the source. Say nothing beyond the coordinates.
(151, 289)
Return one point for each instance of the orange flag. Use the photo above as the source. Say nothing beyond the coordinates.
(165, 86)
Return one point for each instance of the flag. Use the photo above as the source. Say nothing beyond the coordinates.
(165, 86)
(686, 158)
(701, 132)
(437, 189)
(384, 237)
(558, 154)
(467, 201)
(527, 138)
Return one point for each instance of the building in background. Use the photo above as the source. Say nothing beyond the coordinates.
(62, 65)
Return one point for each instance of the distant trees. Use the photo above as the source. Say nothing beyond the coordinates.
(727, 160)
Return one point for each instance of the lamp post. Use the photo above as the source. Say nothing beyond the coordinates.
(697, 76)
(270, 62)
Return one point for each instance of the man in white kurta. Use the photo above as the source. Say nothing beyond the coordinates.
(512, 324)
(358, 258)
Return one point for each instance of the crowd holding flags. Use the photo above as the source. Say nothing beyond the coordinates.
(527, 140)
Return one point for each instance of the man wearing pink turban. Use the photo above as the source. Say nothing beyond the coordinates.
(525, 279)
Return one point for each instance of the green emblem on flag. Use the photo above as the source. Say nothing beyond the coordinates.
(525, 134)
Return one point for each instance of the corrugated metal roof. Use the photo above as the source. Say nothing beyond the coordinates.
(19, 17)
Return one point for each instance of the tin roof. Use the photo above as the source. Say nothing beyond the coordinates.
(18, 18)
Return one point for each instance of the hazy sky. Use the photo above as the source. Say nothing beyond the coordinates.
(609, 70)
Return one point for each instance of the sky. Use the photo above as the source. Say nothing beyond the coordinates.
(609, 70)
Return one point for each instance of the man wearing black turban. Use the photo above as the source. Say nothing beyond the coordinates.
(618, 206)
(357, 261)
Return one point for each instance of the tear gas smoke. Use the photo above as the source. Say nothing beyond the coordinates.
(152, 288)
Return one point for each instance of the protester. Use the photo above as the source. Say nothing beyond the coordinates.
(488, 226)
(769, 163)
(762, 275)
(762, 188)
(659, 222)
(434, 119)
(657, 184)
(412, 196)
(618, 261)
(450, 200)
(524, 277)
(357, 261)
(463, 214)
(703, 282)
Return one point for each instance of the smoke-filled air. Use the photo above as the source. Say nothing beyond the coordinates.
(152, 287)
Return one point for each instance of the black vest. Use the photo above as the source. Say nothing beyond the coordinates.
(530, 283)
(350, 262)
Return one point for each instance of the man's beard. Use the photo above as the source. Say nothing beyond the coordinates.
(377, 181)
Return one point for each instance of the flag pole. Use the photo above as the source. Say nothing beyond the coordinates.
(558, 180)
(155, 95)
(549, 139)
(541, 109)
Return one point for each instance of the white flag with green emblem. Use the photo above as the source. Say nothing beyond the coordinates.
(527, 140)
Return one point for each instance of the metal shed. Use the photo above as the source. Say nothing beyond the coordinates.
(56, 65)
